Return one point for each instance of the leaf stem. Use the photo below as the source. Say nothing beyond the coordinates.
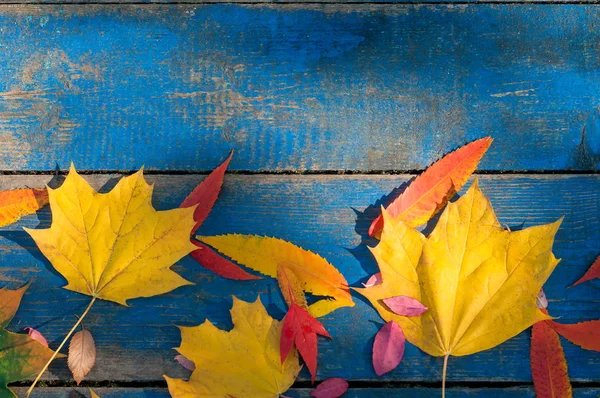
(444, 375)
(60, 346)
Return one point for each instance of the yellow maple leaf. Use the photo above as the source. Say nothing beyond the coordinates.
(478, 280)
(266, 255)
(244, 362)
(114, 246)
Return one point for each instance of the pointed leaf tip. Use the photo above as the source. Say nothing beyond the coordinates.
(592, 273)
(388, 348)
(300, 329)
(205, 194)
(431, 190)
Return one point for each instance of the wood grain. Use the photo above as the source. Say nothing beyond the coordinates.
(298, 86)
(305, 393)
(326, 214)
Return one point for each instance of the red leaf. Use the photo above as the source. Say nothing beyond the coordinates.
(375, 279)
(592, 273)
(205, 194)
(330, 388)
(584, 334)
(548, 364)
(388, 348)
(210, 260)
(301, 329)
(430, 191)
(405, 306)
(37, 336)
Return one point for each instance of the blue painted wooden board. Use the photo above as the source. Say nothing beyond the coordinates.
(319, 213)
(298, 393)
(298, 87)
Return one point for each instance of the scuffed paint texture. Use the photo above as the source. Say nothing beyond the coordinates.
(395, 85)
(322, 213)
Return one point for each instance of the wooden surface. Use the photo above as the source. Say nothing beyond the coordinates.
(174, 87)
(305, 393)
(315, 90)
(328, 214)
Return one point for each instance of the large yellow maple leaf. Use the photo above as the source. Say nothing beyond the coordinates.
(243, 362)
(114, 246)
(478, 280)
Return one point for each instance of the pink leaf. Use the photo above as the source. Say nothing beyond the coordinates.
(207, 258)
(541, 300)
(37, 336)
(405, 306)
(388, 348)
(330, 388)
(205, 194)
(186, 363)
(375, 279)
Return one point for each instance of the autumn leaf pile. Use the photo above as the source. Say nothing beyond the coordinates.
(467, 286)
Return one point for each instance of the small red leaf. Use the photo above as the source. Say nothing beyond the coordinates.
(405, 306)
(584, 334)
(205, 194)
(210, 260)
(330, 388)
(430, 191)
(388, 348)
(592, 273)
(301, 329)
(548, 364)
(37, 336)
(186, 363)
(375, 279)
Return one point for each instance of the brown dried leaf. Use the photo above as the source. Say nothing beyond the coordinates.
(82, 354)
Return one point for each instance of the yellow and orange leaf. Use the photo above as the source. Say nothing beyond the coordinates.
(114, 246)
(17, 203)
(430, 191)
(244, 362)
(291, 288)
(548, 364)
(479, 281)
(266, 255)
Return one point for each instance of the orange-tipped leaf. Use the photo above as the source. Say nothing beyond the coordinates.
(430, 191)
(17, 203)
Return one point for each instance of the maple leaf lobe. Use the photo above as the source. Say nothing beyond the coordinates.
(471, 274)
(115, 245)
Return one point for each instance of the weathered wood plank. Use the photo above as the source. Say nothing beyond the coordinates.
(201, 2)
(298, 87)
(316, 212)
(520, 392)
